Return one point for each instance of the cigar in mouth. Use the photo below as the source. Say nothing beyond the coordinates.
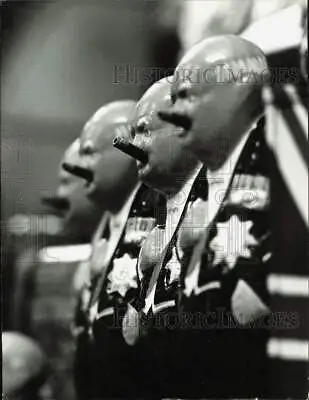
(130, 149)
(58, 203)
(78, 171)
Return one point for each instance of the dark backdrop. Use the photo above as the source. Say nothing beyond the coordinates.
(58, 67)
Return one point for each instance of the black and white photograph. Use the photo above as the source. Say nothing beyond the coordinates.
(154, 208)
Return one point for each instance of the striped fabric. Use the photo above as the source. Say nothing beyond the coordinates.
(287, 115)
(288, 284)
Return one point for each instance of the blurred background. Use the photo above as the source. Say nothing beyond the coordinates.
(59, 65)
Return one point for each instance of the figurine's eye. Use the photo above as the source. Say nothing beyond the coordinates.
(142, 127)
(183, 93)
(87, 148)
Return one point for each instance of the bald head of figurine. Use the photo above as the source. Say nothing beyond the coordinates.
(216, 96)
(168, 163)
(112, 173)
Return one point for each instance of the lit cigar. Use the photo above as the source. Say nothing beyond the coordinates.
(78, 171)
(130, 149)
(59, 203)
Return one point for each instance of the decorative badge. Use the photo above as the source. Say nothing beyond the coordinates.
(123, 275)
(233, 240)
(137, 229)
(250, 192)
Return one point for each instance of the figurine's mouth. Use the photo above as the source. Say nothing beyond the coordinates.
(60, 205)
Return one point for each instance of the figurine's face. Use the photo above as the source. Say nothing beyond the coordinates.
(203, 113)
(216, 95)
(80, 217)
(111, 168)
(167, 162)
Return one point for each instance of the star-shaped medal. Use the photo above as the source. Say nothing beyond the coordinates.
(123, 275)
(233, 240)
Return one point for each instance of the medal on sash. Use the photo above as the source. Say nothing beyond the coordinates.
(119, 280)
(232, 238)
(137, 321)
